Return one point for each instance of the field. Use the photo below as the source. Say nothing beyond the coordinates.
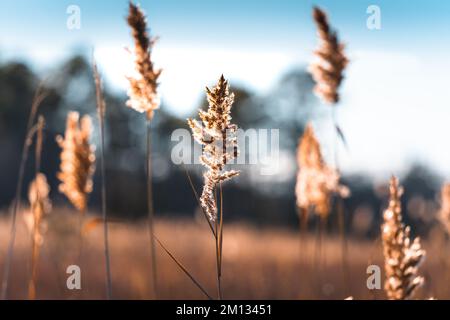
(95, 185)
(258, 264)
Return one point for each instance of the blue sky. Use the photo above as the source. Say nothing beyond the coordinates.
(402, 69)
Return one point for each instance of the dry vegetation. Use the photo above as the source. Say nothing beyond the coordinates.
(249, 263)
(257, 264)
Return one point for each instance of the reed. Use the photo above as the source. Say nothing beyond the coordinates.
(77, 161)
(144, 98)
(101, 110)
(38, 98)
(217, 135)
(40, 206)
(402, 256)
(316, 181)
(327, 69)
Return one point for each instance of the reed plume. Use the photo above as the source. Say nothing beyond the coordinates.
(327, 69)
(316, 181)
(444, 213)
(218, 137)
(143, 97)
(40, 206)
(77, 160)
(402, 256)
(38, 98)
(143, 91)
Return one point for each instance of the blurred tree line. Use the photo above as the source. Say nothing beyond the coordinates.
(288, 106)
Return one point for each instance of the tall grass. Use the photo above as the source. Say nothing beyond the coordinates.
(143, 97)
(38, 98)
(40, 205)
(402, 256)
(101, 110)
(327, 70)
(217, 135)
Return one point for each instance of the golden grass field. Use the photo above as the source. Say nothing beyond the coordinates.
(257, 264)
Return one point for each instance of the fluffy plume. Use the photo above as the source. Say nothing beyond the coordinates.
(143, 94)
(40, 205)
(218, 137)
(77, 160)
(316, 182)
(330, 60)
(402, 257)
(444, 213)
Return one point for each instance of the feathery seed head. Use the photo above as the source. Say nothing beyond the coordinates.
(217, 135)
(330, 60)
(316, 181)
(40, 205)
(401, 255)
(143, 93)
(77, 160)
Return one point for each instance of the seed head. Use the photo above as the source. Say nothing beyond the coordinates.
(143, 93)
(217, 135)
(77, 160)
(330, 61)
(402, 257)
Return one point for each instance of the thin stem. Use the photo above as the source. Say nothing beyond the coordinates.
(221, 228)
(16, 205)
(318, 254)
(340, 207)
(303, 228)
(104, 215)
(219, 289)
(35, 246)
(101, 109)
(218, 263)
(345, 268)
(151, 210)
(180, 265)
(34, 261)
(37, 100)
(218, 225)
(198, 200)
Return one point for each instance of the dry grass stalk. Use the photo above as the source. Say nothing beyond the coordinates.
(77, 160)
(101, 111)
(401, 255)
(40, 206)
(143, 97)
(331, 61)
(316, 181)
(444, 213)
(143, 93)
(38, 98)
(218, 137)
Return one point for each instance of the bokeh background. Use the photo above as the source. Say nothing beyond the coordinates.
(394, 110)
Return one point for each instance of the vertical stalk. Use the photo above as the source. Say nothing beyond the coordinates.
(37, 100)
(302, 245)
(321, 224)
(101, 109)
(218, 226)
(150, 208)
(104, 216)
(35, 246)
(340, 208)
(10, 252)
